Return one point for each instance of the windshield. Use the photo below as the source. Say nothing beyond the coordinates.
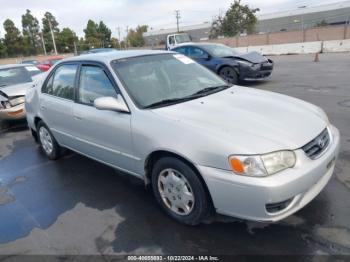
(221, 50)
(155, 78)
(182, 38)
(17, 75)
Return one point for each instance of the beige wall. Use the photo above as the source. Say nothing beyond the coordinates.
(309, 35)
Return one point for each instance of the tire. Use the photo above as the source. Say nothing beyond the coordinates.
(47, 142)
(179, 191)
(229, 74)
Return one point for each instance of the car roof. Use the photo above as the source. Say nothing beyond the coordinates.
(107, 57)
(12, 66)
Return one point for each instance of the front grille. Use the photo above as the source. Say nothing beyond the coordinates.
(266, 66)
(318, 145)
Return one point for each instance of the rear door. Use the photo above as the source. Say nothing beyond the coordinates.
(57, 100)
(101, 134)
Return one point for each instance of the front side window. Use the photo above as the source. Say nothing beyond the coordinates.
(94, 83)
(155, 78)
(61, 84)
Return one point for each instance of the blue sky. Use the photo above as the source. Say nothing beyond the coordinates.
(120, 13)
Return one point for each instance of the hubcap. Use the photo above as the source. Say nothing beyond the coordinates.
(228, 74)
(46, 140)
(176, 192)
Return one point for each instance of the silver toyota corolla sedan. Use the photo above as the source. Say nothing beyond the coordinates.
(14, 81)
(201, 144)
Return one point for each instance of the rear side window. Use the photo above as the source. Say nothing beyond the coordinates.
(94, 83)
(195, 52)
(61, 83)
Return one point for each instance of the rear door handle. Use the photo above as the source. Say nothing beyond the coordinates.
(42, 107)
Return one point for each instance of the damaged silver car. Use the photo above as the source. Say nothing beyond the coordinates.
(14, 81)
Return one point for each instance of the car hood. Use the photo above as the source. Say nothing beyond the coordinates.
(252, 120)
(253, 57)
(15, 90)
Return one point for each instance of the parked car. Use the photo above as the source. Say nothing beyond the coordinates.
(227, 62)
(97, 50)
(30, 62)
(174, 40)
(14, 81)
(201, 144)
(49, 62)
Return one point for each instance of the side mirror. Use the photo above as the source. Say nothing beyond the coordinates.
(111, 103)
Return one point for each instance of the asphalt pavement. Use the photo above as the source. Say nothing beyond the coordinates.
(78, 206)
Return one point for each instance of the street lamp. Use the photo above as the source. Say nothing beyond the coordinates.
(302, 16)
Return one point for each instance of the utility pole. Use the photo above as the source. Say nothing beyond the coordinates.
(177, 12)
(42, 40)
(119, 40)
(53, 37)
(126, 38)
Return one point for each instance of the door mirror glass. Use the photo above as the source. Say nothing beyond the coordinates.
(111, 103)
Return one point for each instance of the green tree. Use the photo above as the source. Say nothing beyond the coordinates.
(13, 39)
(92, 37)
(3, 51)
(104, 34)
(238, 19)
(48, 17)
(30, 30)
(66, 39)
(135, 36)
(97, 35)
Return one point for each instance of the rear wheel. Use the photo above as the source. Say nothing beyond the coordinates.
(179, 191)
(48, 142)
(229, 74)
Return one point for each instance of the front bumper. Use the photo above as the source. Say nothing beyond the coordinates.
(250, 73)
(249, 197)
(14, 113)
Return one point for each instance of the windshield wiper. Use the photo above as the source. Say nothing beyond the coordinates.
(172, 101)
(3, 85)
(198, 94)
(209, 90)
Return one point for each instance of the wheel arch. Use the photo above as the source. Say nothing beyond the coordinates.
(235, 67)
(153, 157)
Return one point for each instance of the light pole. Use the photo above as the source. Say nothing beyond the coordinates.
(302, 16)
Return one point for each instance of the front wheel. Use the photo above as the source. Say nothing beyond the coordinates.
(48, 142)
(229, 74)
(179, 191)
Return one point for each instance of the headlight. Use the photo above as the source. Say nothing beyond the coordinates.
(262, 165)
(18, 100)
